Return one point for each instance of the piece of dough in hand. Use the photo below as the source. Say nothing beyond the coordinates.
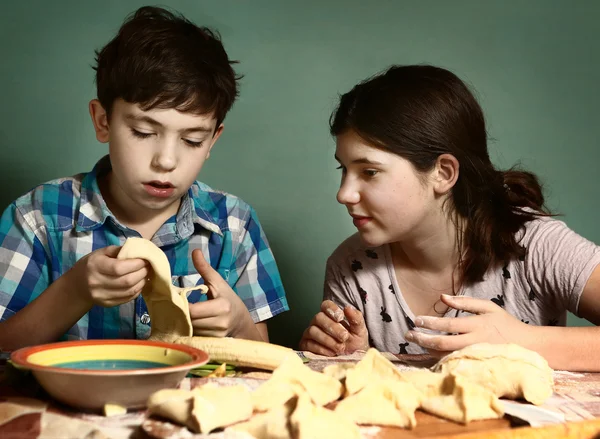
(167, 304)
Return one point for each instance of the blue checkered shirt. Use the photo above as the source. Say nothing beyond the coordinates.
(46, 231)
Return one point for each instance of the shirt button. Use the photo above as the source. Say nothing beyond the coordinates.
(145, 319)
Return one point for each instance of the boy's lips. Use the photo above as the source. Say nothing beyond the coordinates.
(159, 189)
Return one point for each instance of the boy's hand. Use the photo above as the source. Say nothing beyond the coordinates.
(108, 281)
(224, 314)
(329, 334)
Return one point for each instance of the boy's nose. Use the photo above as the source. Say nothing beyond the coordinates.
(164, 159)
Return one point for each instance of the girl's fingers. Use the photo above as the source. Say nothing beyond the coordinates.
(440, 342)
(316, 334)
(313, 346)
(470, 304)
(451, 325)
(329, 326)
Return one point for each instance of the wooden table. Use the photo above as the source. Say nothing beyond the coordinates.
(577, 396)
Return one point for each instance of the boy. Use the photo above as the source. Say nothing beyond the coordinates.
(164, 87)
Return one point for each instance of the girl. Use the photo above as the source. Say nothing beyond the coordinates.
(443, 234)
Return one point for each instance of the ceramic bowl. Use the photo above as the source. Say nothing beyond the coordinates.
(88, 374)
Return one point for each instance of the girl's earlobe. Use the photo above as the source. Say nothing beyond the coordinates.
(447, 171)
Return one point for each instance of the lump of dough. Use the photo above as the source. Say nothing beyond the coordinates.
(373, 366)
(167, 304)
(338, 370)
(172, 404)
(310, 421)
(390, 403)
(204, 408)
(427, 382)
(215, 407)
(463, 401)
(508, 370)
(273, 424)
(291, 378)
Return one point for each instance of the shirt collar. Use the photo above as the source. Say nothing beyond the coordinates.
(93, 211)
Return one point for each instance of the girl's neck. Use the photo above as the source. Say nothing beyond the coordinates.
(436, 253)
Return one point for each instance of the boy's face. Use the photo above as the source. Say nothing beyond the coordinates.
(156, 155)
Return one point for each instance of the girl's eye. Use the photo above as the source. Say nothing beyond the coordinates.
(192, 143)
(342, 168)
(140, 135)
(370, 172)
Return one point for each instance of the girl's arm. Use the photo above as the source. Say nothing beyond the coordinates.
(571, 348)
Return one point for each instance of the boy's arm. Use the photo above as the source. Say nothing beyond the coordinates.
(34, 312)
(46, 318)
(31, 311)
(262, 329)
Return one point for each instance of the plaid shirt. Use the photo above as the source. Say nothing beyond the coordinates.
(46, 231)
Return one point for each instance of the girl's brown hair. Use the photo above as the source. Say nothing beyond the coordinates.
(420, 112)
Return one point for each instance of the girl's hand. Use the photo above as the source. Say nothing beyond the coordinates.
(108, 281)
(329, 334)
(491, 324)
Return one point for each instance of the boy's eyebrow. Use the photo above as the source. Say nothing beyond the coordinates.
(361, 161)
(154, 122)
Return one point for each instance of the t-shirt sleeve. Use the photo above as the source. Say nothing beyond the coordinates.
(559, 262)
(336, 287)
(254, 275)
(24, 266)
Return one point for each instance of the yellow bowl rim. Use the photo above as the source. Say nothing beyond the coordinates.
(20, 357)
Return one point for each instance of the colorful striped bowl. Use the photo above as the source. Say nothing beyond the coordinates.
(88, 374)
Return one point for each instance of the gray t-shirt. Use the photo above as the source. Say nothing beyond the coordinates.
(538, 290)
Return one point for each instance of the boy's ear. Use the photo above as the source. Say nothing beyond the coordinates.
(445, 173)
(100, 120)
(214, 139)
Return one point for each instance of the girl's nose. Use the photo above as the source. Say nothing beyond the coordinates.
(347, 194)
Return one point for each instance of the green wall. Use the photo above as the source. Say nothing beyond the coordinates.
(533, 63)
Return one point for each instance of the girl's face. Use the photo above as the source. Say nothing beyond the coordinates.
(387, 198)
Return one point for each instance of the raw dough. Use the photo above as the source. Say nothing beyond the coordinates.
(427, 382)
(373, 366)
(508, 370)
(114, 410)
(338, 370)
(273, 424)
(167, 304)
(291, 378)
(173, 404)
(310, 421)
(203, 409)
(216, 407)
(463, 401)
(390, 403)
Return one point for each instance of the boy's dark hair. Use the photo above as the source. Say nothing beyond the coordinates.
(420, 112)
(160, 59)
